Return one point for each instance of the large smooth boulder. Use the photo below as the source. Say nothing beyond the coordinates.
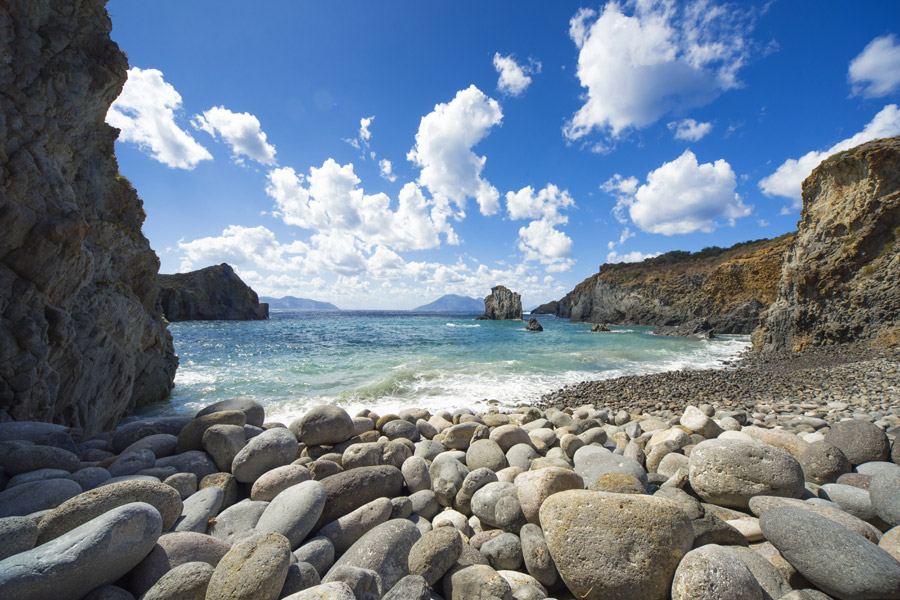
(33, 457)
(94, 554)
(385, 550)
(191, 436)
(713, 572)
(172, 550)
(254, 412)
(17, 534)
(293, 513)
(839, 562)
(347, 491)
(185, 582)
(270, 449)
(93, 503)
(323, 425)
(344, 531)
(593, 462)
(860, 441)
(36, 496)
(534, 487)
(254, 569)
(434, 553)
(199, 508)
(237, 519)
(730, 472)
(615, 546)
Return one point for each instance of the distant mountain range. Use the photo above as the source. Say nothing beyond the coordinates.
(292, 303)
(452, 303)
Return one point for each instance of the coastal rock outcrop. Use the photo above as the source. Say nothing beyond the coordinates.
(840, 281)
(502, 304)
(212, 294)
(728, 287)
(82, 334)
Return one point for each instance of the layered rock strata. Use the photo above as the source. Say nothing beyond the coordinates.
(727, 287)
(502, 304)
(840, 281)
(82, 336)
(212, 294)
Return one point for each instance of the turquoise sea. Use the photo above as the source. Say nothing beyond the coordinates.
(390, 360)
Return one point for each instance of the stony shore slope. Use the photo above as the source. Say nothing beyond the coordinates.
(82, 336)
(728, 287)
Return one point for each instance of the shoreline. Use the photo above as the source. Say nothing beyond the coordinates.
(860, 376)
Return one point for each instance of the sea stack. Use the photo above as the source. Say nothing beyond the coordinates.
(533, 325)
(502, 304)
(212, 294)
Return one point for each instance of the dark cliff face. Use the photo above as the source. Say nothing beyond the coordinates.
(502, 304)
(82, 337)
(727, 287)
(211, 294)
(841, 279)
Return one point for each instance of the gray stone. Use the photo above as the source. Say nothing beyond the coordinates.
(273, 482)
(128, 434)
(363, 455)
(196, 461)
(323, 425)
(270, 449)
(254, 412)
(90, 477)
(129, 464)
(183, 483)
(536, 555)
(478, 582)
(254, 569)
(425, 504)
(172, 550)
(39, 475)
(227, 482)
(488, 505)
(807, 594)
(615, 546)
(400, 428)
(884, 491)
(185, 582)
(710, 529)
(877, 468)
(507, 436)
(294, 512)
(434, 553)
(93, 554)
(415, 474)
(337, 590)
(473, 482)
(760, 504)
(300, 576)
(592, 462)
(385, 550)
(91, 504)
(365, 583)
(191, 436)
(860, 441)
(854, 500)
(136, 477)
(160, 444)
(838, 561)
(237, 519)
(533, 487)
(411, 587)
(823, 463)
(223, 442)
(485, 454)
(687, 503)
(428, 449)
(344, 531)
(17, 534)
(890, 542)
(347, 491)
(109, 592)
(199, 508)
(730, 472)
(39, 432)
(521, 456)
(317, 551)
(401, 507)
(36, 496)
(712, 572)
(504, 552)
(770, 579)
(31, 458)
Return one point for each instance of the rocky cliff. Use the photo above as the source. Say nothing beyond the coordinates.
(729, 287)
(211, 294)
(840, 281)
(502, 304)
(82, 336)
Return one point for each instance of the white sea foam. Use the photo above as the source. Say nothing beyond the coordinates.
(468, 326)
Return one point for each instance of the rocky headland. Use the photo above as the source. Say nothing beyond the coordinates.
(592, 502)
(215, 293)
(728, 287)
(502, 304)
(82, 334)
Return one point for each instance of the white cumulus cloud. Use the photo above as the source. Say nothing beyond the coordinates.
(514, 78)
(787, 179)
(386, 170)
(443, 150)
(629, 257)
(241, 246)
(361, 141)
(689, 129)
(241, 131)
(541, 240)
(664, 57)
(875, 72)
(547, 203)
(684, 196)
(145, 114)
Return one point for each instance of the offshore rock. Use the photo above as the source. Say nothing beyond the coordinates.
(533, 325)
(212, 294)
(841, 278)
(82, 334)
(502, 304)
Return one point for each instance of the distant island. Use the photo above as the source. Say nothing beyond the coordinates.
(453, 303)
(293, 303)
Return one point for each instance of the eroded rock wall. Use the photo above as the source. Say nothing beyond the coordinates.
(212, 294)
(840, 281)
(82, 337)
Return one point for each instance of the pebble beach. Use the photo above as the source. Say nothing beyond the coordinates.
(776, 477)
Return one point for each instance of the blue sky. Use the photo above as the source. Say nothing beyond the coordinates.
(381, 154)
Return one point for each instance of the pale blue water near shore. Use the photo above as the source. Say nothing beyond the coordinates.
(390, 360)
